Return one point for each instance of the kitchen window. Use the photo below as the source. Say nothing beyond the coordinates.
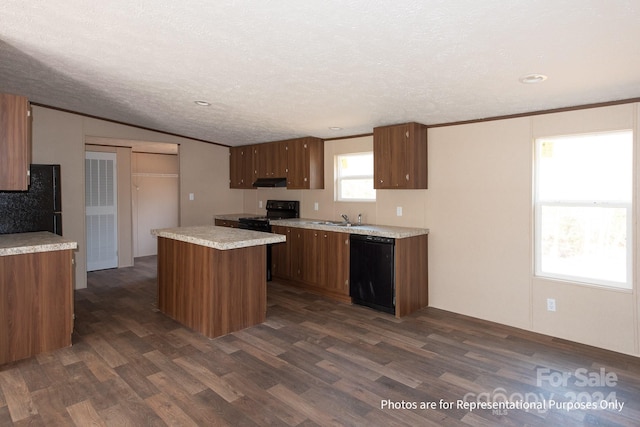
(354, 177)
(583, 208)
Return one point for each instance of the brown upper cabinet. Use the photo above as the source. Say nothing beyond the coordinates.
(305, 160)
(300, 161)
(400, 156)
(242, 173)
(15, 142)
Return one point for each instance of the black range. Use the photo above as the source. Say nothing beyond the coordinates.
(276, 209)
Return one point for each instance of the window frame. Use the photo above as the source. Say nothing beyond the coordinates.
(539, 204)
(339, 179)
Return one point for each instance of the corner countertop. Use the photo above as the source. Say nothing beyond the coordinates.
(28, 243)
(371, 230)
(221, 238)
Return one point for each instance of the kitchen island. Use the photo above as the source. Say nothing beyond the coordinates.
(36, 284)
(213, 279)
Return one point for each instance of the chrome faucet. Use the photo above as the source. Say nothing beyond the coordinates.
(346, 218)
(359, 219)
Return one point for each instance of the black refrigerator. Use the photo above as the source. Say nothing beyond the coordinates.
(38, 209)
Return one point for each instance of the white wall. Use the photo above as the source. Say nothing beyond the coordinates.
(480, 212)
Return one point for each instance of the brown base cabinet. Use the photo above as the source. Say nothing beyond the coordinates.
(36, 308)
(227, 223)
(315, 260)
(318, 261)
(412, 274)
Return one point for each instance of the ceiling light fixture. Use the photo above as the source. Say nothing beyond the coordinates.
(533, 78)
(335, 128)
(202, 103)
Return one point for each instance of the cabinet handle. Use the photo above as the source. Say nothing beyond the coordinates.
(407, 177)
(407, 134)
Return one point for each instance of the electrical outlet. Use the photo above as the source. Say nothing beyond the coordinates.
(260, 204)
(399, 211)
(551, 304)
(315, 206)
(192, 196)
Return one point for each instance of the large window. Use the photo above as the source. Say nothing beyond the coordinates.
(354, 177)
(583, 194)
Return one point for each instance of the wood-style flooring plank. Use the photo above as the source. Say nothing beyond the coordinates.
(170, 413)
(17, 396)
(84, 414)
(208, 378)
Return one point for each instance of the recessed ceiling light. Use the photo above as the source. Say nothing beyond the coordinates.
(202, 103)
(335, 128)
(533, 78)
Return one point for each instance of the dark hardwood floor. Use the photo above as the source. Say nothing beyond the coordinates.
(313, 362)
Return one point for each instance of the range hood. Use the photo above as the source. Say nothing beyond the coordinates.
(270, 182)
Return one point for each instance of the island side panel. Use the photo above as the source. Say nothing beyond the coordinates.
(412, 275)
(212, 291)
(36, 310)
(240, 298)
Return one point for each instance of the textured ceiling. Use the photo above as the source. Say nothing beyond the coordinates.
(281, 69)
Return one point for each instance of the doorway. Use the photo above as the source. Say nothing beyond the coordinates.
(101, 210)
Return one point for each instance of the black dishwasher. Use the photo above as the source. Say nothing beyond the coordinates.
(372, 272)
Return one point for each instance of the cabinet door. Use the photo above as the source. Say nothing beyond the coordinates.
(281, 254)
(297, 164)
(314, 255)
(271, 159)
(280, 159)
(305, 163)
(336, 267)
(415, 156)
(400, 156)
(241, 167)
(296, 252)
(389, 154)
(15, 142)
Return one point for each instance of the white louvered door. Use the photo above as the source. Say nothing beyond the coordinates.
(101, 210)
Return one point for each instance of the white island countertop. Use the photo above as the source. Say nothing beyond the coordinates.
(28, 243)
(222, 238)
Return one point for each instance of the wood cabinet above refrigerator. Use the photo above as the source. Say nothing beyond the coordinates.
(15, 142)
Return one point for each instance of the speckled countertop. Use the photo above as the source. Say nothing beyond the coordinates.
(28, 243)
(222, 238)
(371, 230)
